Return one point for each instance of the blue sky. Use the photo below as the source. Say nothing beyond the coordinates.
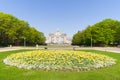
(68, 16)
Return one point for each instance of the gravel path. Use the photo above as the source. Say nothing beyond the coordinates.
(9, 49)
(109, 49)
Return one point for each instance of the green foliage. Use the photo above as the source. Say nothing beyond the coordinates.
(105, 32)
(13, 31)
(76, 38)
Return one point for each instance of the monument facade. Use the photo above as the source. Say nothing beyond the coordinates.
(58, 38)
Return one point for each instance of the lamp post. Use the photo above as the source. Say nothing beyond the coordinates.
(91, 41)
(91, 37)
(24, 42)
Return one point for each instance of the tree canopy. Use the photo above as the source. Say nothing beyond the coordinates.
(106, 32)
(14, 31)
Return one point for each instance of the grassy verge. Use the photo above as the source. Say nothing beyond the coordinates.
(13, 73)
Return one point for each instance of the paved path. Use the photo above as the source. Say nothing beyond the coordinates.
(9, 49)
(109, 49)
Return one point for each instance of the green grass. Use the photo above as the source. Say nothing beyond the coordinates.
(13, 73)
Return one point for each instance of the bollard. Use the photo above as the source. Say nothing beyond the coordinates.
(36, 46)
(10, 46)
(74, 48)
(45, 48)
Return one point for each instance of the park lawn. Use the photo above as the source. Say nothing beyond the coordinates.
(13, 73)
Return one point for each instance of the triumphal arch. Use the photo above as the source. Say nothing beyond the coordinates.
(58, 38)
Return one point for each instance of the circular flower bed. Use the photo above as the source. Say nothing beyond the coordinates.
(60, 60)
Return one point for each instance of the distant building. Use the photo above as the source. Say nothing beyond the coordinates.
(58, 39)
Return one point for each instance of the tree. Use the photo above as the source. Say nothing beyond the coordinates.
(6, 23)
(14, 31)
(102, 33)
(36, 37)
(76, 38)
